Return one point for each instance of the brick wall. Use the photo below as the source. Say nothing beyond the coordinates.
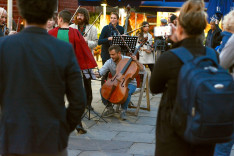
(3, 3)
(70, 5)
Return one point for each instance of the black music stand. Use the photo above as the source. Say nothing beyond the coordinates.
(88, 113)
(131, 41)
(89, 109)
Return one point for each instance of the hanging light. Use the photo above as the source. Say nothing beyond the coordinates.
(104, 3)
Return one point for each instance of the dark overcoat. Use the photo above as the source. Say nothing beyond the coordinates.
(36, 71)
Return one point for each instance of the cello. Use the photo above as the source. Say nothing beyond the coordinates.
(116, 89)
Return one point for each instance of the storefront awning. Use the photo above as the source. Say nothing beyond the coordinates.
(120, 3)
(164, 4)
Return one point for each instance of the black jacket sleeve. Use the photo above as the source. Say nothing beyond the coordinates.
(75, 92)
(160, 74)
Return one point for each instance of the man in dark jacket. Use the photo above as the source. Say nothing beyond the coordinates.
(214, 35)
(36, 72)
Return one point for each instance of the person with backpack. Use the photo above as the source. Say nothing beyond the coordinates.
(227, 62)
(177, 126)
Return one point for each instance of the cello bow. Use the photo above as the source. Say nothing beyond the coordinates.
(126, 20)
(92, 24)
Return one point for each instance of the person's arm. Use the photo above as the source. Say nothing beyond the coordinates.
(105, 68)
(75, 92)
(160, 74)
(104, 36)
(227, 54)
(217, 38)
(93, 40)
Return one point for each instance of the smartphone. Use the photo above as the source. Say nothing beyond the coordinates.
(162, 31)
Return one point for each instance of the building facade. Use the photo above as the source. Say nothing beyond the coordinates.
(70, 5)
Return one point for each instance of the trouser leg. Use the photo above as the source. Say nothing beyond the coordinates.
(132, 89)
(62, 153)
(88, 90)
(151, 67)
(104, 101)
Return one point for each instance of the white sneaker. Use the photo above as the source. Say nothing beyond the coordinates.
(109, 112)
(123, 115)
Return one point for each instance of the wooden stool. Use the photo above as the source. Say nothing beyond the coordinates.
(143, 88)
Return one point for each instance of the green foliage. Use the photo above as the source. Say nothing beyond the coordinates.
(93, 16)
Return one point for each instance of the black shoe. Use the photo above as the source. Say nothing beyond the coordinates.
(80, 129)
(89, 107)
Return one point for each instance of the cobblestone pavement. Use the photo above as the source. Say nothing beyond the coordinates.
(132, 137)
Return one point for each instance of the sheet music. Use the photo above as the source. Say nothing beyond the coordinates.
(131, 41)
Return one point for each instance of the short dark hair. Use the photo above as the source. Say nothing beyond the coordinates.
(37, 11)
(117, 48)
(173, 17)
(65, 15)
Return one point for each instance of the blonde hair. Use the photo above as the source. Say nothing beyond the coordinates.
(193, 17)
(228, 22)
(2, 11)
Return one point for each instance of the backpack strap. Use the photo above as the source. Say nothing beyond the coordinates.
(211, 54)
(183, 54)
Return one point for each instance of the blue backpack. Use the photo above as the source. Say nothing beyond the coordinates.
(205, 94)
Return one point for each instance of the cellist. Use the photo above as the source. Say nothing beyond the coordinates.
(110, 66)
(106, 37)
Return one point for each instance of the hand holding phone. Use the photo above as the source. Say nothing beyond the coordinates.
(162, 31)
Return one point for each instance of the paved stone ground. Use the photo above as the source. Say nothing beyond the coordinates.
(133, 137)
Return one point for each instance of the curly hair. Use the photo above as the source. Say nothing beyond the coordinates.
(228, 22)
(193, 17)
(37, 11)
(85, 12)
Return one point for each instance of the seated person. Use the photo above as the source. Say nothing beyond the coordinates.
(110, 66)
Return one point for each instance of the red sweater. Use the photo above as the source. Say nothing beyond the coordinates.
(83, 54)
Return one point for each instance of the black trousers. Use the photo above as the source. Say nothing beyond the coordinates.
(151, 67)
(62, 153)
(89, 93)
(88, 90)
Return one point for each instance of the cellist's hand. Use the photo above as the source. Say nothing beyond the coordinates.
(134, 58)
(110, 38)
(97, 74)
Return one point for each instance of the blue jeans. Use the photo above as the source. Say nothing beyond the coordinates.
(124, 106)
(224, 149)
